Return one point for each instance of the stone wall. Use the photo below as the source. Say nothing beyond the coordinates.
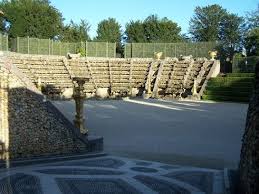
(29, 125)
(249, 159)
(117, 77)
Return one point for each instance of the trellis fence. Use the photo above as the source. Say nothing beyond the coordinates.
(3, 42)
(30, 45)
(147, 50)
(244, 64)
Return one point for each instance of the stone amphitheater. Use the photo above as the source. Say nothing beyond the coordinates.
(32, 126)
(114, 77)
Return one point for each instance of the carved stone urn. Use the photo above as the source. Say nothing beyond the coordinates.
(213, 54)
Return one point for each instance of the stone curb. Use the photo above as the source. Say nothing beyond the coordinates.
(47, 159)
(226, 181)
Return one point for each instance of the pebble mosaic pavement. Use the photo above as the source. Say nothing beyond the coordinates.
(110, 174)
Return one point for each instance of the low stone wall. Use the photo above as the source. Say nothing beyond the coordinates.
(29, 125)
(249, 159)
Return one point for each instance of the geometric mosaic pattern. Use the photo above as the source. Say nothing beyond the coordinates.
(143, 169)
(79, 171)
(78, 186)
(200, 180)
(161, 186)
(20, 183)
(110, 174)
(105, 162)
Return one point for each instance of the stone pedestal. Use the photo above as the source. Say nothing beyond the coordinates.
(79, 97)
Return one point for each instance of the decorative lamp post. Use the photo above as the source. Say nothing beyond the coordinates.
(79, 97)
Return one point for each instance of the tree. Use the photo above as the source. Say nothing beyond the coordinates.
(251, 41)
(109, 30)
(253, 19)
(153, 29)
(206, 22)
(135, 31)
(161, 30)
(230, 34)
(75, 32)
(36, 18)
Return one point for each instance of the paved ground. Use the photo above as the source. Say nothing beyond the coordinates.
(109, 174)
(186, 133)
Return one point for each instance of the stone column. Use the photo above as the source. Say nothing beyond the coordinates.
(79, 97)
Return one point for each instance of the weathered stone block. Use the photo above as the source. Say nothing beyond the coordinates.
(102, 92)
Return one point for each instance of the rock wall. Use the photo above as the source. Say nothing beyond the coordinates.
(29, 125)
(249, 159)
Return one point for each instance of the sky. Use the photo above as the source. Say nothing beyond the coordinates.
(123, 11)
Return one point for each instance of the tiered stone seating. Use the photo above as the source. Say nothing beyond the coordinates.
(175, 84)
(139, 73)
(167, 76)
(51, 72)
(82, 68)
(120, 72)
(198, 70)
(100, 72)
(117, 77)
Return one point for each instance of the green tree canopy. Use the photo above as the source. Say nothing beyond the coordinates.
(75, 32)
(214, 23)
(206, 22)
(253, 19)
(153, 29)
(230, 34)
(251, 41)
(135, 31)
(109, 31)
(36, 18)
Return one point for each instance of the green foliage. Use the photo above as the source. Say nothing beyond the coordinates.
(153, 29)
(205, 24)
(35, 18)
(110, 31)
(234, 87)
(230, 34)
(76, 32)
(240, 75)
(253, 19)
(252, 42)
(226, 98)
(135, 31)
(244, 64)
(214, 23)
(81, 50)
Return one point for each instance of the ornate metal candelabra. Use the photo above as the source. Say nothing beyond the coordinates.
(79, 97)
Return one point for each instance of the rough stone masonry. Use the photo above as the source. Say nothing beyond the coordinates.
(249, 162)
(29, 125)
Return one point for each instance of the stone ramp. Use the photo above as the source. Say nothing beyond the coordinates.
(110, 174)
